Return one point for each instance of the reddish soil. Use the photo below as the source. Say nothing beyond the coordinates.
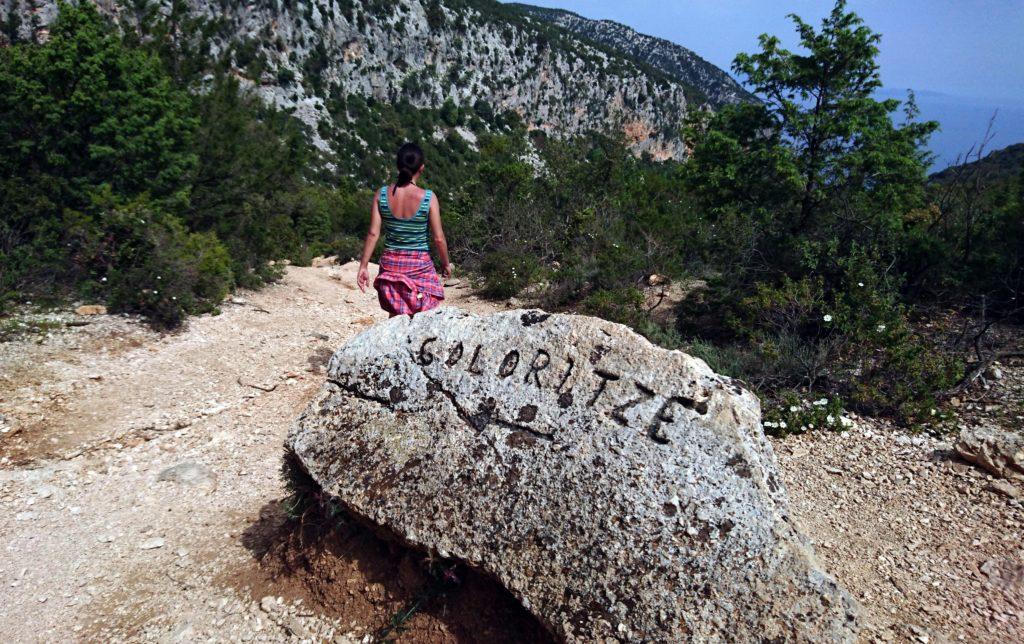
(342, 570)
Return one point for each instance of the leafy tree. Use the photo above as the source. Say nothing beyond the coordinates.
(844, 141)
(450, 113)
(819, 156)
(809, 195)
(79, 116)
(435, 15)
(84, 111)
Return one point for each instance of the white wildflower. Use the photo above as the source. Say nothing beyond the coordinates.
(782, 424)
(880, 328)
(933, 412)
(794, 409)
(860, 284)
(827, 318)
(830, 419)
(820, 403)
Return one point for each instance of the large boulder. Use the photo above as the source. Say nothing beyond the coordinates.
(619, 490)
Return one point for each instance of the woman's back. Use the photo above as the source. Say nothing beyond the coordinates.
(407, 282)
(405, 217)
(405, 200)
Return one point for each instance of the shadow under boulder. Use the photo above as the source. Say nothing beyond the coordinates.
(307, 547)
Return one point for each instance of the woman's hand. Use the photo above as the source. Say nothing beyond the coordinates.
(372, 235)
(446, 272)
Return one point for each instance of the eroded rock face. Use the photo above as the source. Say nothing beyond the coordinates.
(473, 53)
(617, 489)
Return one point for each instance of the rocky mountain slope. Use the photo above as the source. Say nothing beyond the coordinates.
(311, 57)
(676, 61)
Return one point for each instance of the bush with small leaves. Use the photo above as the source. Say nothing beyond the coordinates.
(506, 274)
(144, 261)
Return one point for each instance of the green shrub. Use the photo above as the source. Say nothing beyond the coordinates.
(844, 332)
(144, 261)
(211, 265)
(506, 274)
(901, 375)
(285, 76)
(789, 414)
(346, 248)
(625, 306)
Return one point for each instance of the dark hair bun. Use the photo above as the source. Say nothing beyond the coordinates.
(409, 161)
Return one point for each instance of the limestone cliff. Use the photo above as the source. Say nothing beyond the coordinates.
(667, 57)
(300, 55)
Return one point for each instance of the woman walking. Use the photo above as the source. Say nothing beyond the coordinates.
(407, 282)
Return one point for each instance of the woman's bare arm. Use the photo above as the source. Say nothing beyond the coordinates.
(437, 233)
(369, 244)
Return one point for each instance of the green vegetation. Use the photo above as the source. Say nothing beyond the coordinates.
(806, 214)
(997, 167)
(117, 184)
(812, 192)
(811, 241)
(442, 578)
(966, 246)
(307, 505)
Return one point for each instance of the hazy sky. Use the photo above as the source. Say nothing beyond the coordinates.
(970, 48)
(964, 58)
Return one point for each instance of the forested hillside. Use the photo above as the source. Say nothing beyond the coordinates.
(997, 166)
(154, 158)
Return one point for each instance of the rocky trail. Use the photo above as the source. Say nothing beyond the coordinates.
(141, 496)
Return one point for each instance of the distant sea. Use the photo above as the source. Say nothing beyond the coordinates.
(964, 120)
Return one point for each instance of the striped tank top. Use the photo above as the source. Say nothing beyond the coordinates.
(405, 234)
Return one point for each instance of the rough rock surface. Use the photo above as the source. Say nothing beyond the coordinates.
(1000, 452)
(672, 59)
(617, 489)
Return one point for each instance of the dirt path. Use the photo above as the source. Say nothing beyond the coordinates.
(93, 543)
(95, 547)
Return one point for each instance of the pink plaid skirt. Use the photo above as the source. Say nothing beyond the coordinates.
(407, 282)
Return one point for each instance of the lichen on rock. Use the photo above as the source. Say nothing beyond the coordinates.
(617, 489)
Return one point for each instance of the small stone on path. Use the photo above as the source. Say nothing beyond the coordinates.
(269, 604)
(191, 474)
(1004, 488)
